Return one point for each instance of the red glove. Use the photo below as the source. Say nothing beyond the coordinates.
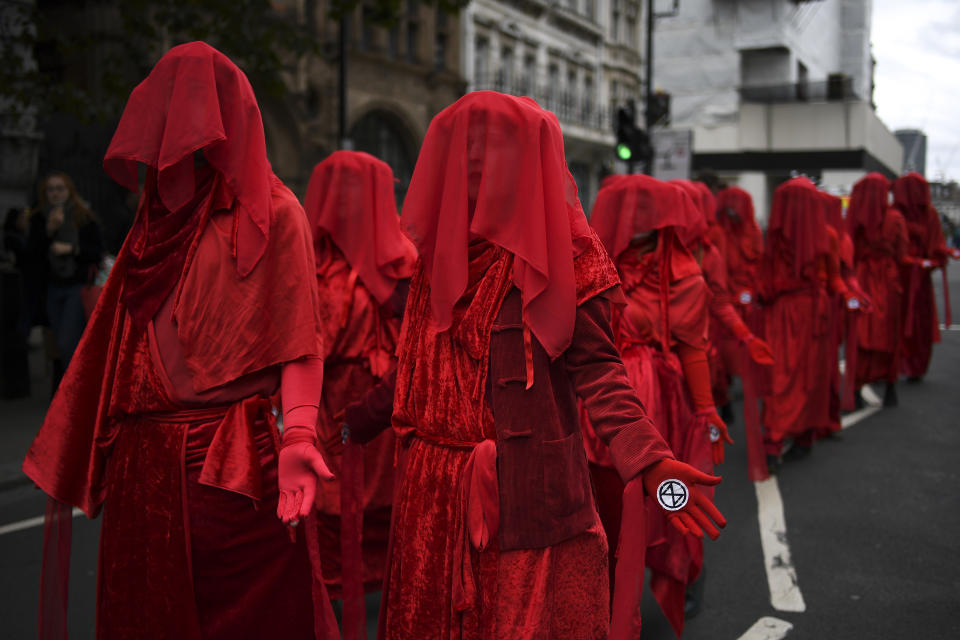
(759, 350)
(717, 432)
(300, 466)
(671, 483)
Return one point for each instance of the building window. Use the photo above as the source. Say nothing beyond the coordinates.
(615, 12)
(553, 79)
(587, 101)
(614, 95)
(413, 30)
(590, 9)
(633, 10)
(529, 73)
(481, 61)
(505, 79)
(440, 41)
(571, 94)
(802, 78)
(393, 42)
(367, 42)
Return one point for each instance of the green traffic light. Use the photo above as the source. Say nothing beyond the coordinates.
(624, 152)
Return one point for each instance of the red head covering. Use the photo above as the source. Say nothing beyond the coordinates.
(798, 221)
(634, 204)
(833, 211)
(351, 198)
(868, 204)
(911, 194)
(197, 99)
(492, 166)
(693, 233)
(708, 202)
(736, 205)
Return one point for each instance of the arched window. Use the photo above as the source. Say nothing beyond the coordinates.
(384, 136)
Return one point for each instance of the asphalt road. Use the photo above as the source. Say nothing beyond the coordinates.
(871, 524)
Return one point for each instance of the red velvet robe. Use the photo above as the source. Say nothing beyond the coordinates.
(920, 323)
(658, 378)
(441, 411)
(796, 328)
(879, 332)
(359, 338)
(167, 427)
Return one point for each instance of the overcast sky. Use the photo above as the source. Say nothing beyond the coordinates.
(917, 47)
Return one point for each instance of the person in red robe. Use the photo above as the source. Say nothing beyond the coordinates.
(839, 279)
(163, 420)
(662, 336)
(364, 263)
(879, 236)
(796, 314)
(911, 195)
(743, 247)
(495, 532)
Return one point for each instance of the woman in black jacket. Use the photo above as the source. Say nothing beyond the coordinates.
(65, 244)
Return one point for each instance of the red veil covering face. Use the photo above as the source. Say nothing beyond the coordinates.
(351, 198)
(694, 233)
(523, 199)
(666, 311)
(361, 255)
(795, 233)
(911, 195)
(220, 271)
(880, 243)
(744, 238)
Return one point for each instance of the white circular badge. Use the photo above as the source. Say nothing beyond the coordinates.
(714, 433)
(746, 298)
(672, 494)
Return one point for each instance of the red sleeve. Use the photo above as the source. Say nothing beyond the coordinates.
(835, 281)
(696, 370)
(600, 380)
(721, 307)
(301, 382)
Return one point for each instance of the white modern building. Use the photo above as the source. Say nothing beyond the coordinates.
(773, 87)
(580, 59)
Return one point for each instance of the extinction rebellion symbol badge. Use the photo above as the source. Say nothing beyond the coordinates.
(672, 494)
(714, 433)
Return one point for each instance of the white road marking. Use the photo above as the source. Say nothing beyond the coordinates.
(781, 576)
(873, 402)
(953, 327)
(767, 628)
(29, 523)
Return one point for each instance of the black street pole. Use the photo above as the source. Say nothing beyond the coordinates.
(342, 116)
(648, 99)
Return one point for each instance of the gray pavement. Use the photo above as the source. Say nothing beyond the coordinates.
(872, 523)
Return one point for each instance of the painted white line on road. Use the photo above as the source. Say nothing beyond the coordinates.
(953, 327)
(767, 628)
(873, 402)
(870, 396)
(29, 523)
(781, 576)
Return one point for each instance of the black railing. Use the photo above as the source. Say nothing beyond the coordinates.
(575, 106)
(833, 89)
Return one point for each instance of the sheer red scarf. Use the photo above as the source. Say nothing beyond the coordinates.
(736, 216)
(797, 224)
(196, 99)
(911, 194)
(492, 166)
(868, 206)
(350, 198)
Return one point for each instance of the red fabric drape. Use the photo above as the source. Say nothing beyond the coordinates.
(797, 221)
(351, 198)
(492, 166)
(196, 99)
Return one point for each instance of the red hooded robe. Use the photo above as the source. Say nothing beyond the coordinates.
(911, 195)
(880, 249)
(361, 256)
(163, 418)
(506, 304)
(665, 317)
(796, 316)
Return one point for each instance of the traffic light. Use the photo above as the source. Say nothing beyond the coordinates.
(659, 109)
(633, 144)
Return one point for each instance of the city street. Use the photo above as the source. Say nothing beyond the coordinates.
(867, 547)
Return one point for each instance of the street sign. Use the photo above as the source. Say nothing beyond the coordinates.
(673, 153)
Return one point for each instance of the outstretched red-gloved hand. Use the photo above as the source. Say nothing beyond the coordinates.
(718, 433)
(673, 485)
(300, 468)
(759, 350)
